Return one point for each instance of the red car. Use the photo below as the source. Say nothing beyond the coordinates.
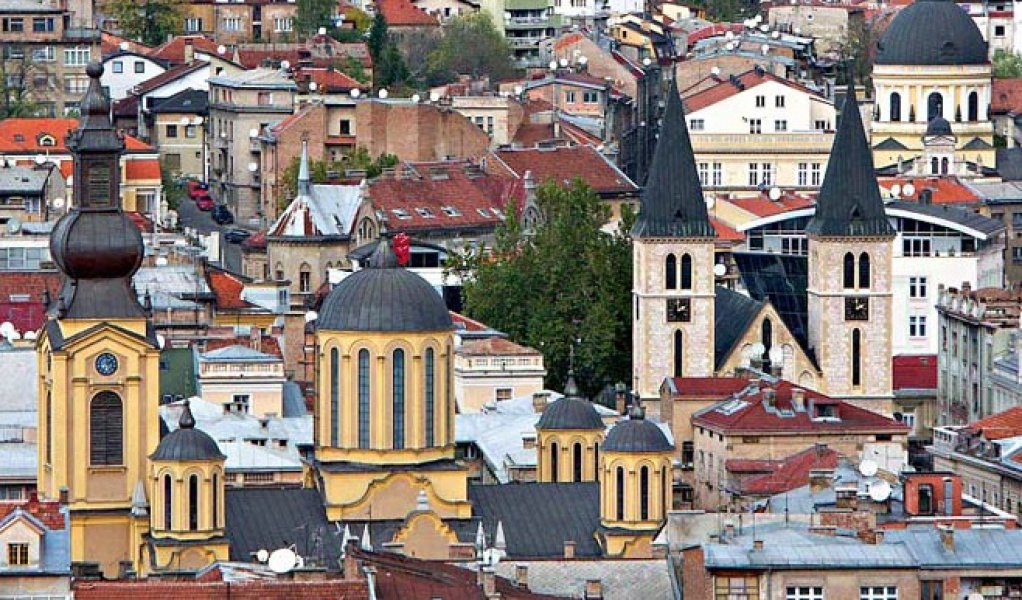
(196, 188)
(204, 203)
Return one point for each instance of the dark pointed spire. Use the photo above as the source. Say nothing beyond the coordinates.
(672, 201)
(849, 204)
(304, 180)
(187, 421)
(95, 131)
(383, 257)
(636, 411)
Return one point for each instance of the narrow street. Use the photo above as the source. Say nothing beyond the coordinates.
(190, 216)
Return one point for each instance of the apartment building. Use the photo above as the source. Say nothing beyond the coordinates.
(236, 22)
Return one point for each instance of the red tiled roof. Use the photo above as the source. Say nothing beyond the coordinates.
(173, 51)
(565, 163)
(327, 80)
(402, 13)
(1006, 96)
(726, 88)
(15, 286)
(141, 221)
(763, 206)
(749, 465)
(257, 241)
(569, 39)
(944, 190)
(792, 472)
(22, 135)
(713, 31)
(155, 589)
(725, 232)
(999, 426)
(47, 511)
(711, 387)
(915, 372)
(495, 346)
(111, 44)
(754, 417)
(142, 169)
(25, 316)
(468, 324)
(167, 76)
(422, 191)
(531, 134)
(227, 289)
(267, 345)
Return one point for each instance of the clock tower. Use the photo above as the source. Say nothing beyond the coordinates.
(673, 259)
(850, 246)
(97, 354)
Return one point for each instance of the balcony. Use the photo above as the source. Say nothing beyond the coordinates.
(527, 23)
(525, 42)
(220, 142)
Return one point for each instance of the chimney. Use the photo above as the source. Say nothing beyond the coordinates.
(255, 339)
(729, 530)
(947, 537)
(620, 398)
(539, 401)
(64, 493)
(528, 440)
(820, 479)
(878, 536)
(569, 549)
(351, 570)
(966, 287)
(798, 399)
(33, 502)
(828, 530)
(594, 589)
(489, 582)
(522, 576)
(757, 544)
(189, 51)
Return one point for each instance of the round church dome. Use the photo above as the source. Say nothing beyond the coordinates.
(939, 126)
(932, 32)
(636, 435)
(187, 442)
(384, 297)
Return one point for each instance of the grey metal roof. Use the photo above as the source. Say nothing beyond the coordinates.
(732, 314)
(849, 203)
(237, 353)
(977, 144)
(939, 126)
(271, 518)
(890, 144)
(23, 180)
(977, 548)
(817, 551)
(932, 32)
(384, 297)
(570, 413)
(672, 201)
(538, 518)
(636, 434)
(293, 400)
(1009, 163)
(187, 101)
(621, 579)
(954, 214)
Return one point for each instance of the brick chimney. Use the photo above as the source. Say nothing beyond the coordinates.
(522, 575)
(569, 549)
(539, 401)
(820, 479)
(189, 51)
(594, 589)
(757, 544)
(255, 339)
(947, 537)
(489, 582)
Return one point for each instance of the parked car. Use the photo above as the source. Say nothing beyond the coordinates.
(222, 215)
(196, 189)
(204, 203)
(236, 236)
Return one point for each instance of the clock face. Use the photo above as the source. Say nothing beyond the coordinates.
(106, 363)
(856, 308)
(679, 310)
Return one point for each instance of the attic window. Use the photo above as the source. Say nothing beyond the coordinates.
(450, 211)
(482, 212)
(47, 140)
(19, 137)
(425, 213)
(497, 213)
(401, 213)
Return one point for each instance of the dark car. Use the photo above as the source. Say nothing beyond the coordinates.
(222, 215)
(236, 236)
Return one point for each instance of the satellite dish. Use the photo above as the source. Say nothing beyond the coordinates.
(282, 560)
(7, 328)
(719, 270)
(30, 335)
(880, 491)
(262, 555)
(758, 18)
(284, 64)
(758, 349)
(253, 167)
(13, 225)
(253, 132)
(776, 35)
(161, 261)
(384, 93)
(647, 61)
(583, 60)
(729, 36)
(711, 201)
(730, 45)
(776, 354)
(765, 48)
(57, 203)
(564, 62)
(775, 193)
(39, 159)
(518, 92)
(868, 468)
(124, 46)
(311, 316)
(553, 65)
(715, 71)
(416, 98)
(221, 49)
(355, 93)
(313, 85)
(322, 31)
(764, 28)
(14, 336)
(160, 341)
(197, 121)
(909, 189)
(896, 189)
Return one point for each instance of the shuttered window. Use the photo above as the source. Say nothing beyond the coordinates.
(106, 430)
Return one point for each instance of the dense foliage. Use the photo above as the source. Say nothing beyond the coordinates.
(151, 22)
(490, 55)
(319, 170)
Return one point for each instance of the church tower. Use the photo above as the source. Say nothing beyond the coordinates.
(98, 355)
(569, 435)
(672, 260)
(850, 246)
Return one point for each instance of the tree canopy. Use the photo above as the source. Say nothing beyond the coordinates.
(310, 15)
(389, 68)
(1007, 65)
(565, 282)
(490, 53)
(151, 22)
(319, 170)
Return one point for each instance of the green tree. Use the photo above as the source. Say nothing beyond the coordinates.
(352, 67)
(313, 14)
(1007, 65)
(490, 53)
(319, 170)
(379, 37)
(150, 22)
(567, 281)
(389, 68)
(14, 76)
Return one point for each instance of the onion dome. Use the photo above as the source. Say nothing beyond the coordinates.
(571, 411)
(187, 442)
(384, 297)
(939, 126)
(932, 32)
(636, 434)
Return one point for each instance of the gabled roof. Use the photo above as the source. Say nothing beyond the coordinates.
(329, 211)
(562, 164)
(943, 190)
(327, 80)
(732, 314)
(728, 87)
(402, 13)
(791, 472)
(227, 287)
(977, 144)
(172, 74)
(706, 387)
(890, 144)
(23, 135)
(998, 426)
(111, 44)
(849, 204)
(672, 201)
(173, 51)
(186, 101)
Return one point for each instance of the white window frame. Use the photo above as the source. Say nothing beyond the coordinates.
(78, 56)
(887, 592)
(804, 592)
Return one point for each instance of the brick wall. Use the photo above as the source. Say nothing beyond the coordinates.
(193, 590)
(696, 582)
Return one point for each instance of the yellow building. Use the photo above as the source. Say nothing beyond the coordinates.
(569, 435)
(932, 63)
(635, 488)
(386, 426)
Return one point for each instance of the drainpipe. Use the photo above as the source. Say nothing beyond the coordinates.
(370, 581)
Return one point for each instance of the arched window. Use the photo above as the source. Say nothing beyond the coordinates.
(366, 230)
(216, 500)
(304, 279)
(577, 458)
(620, 500)
(934, 106)
(934, 166)
(644, 493)
(973, 106)
(398, 391)
(895, 107)
(430, 395)
(278, 272)
(193, 502)
(168, 501)
(363, 398)
(596, 460)
(686, 272)
(678, 350)
(864, 277)
(335, 396)
(554, 450)
(856, 357)
(849, 271)
(671, 272)
(106, 430)
(944, 165)
(767, 335)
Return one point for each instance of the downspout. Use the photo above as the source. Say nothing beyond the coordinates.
(370, 574)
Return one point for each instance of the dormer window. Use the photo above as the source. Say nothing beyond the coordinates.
(48, 141)
(425, 213)
(450, 211)
(401, 213)
(17, 554)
